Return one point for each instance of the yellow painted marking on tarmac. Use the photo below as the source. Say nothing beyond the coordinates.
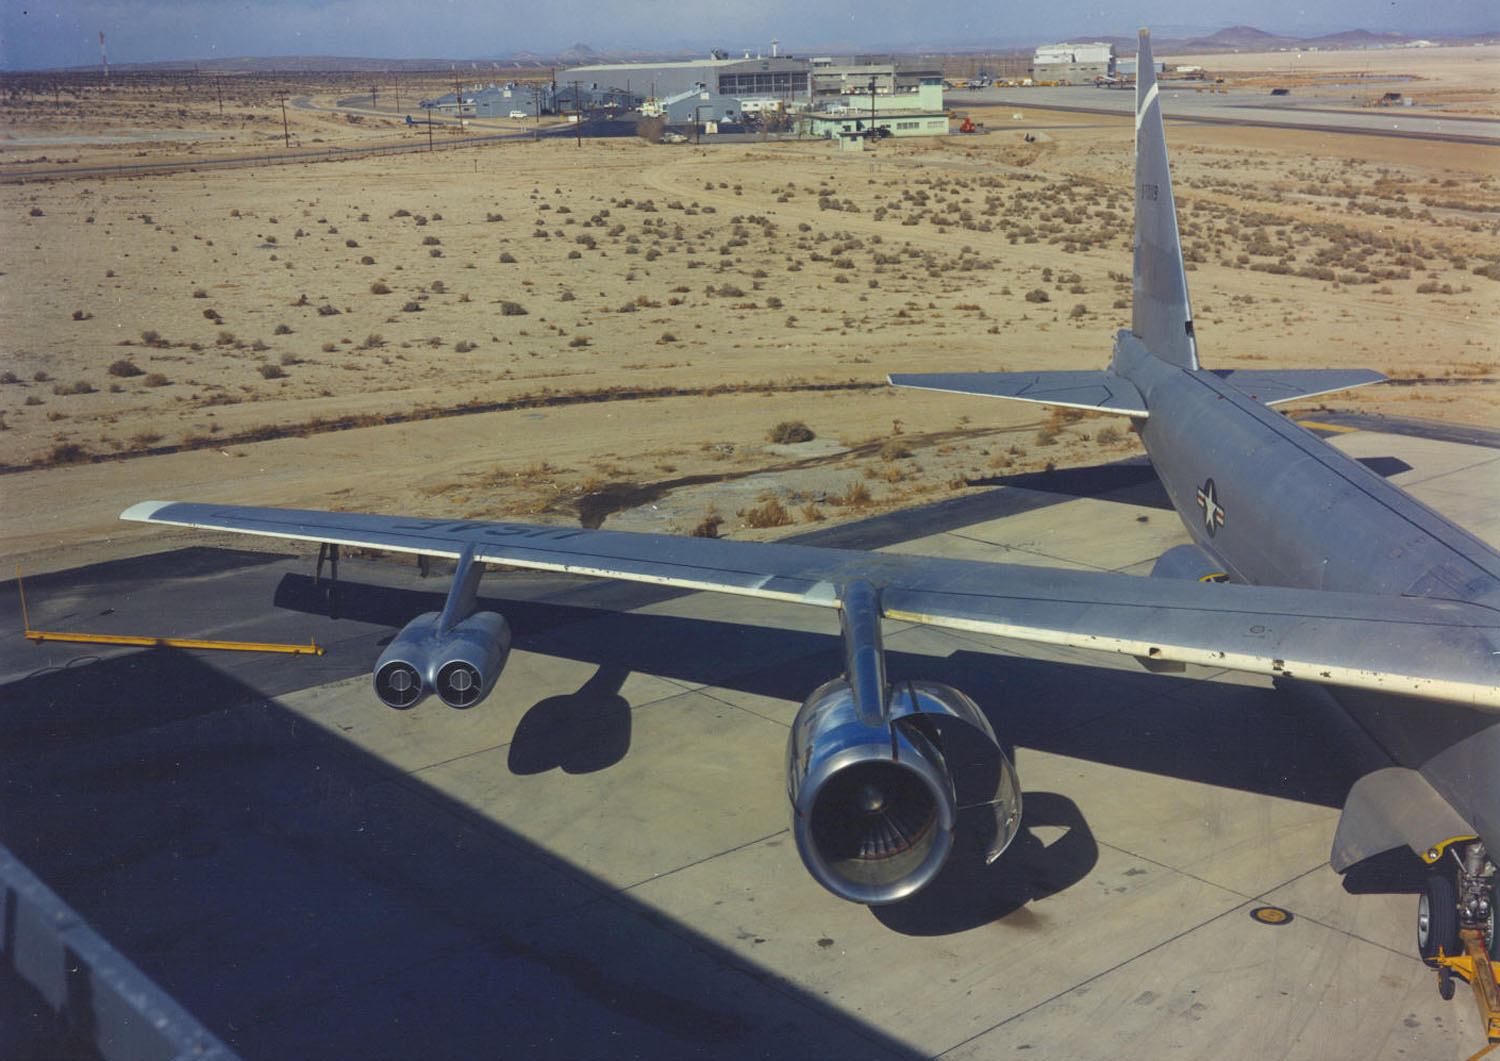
(312, 648)
(1271, 915)
(1316, 425)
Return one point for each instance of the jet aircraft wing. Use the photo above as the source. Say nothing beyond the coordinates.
(1103, 391)
(1448, 650)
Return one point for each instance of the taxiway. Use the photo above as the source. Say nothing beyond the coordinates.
(596, 861)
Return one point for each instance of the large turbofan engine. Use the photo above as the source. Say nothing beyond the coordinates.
(457, 653)
(460, 665)
(873, 801)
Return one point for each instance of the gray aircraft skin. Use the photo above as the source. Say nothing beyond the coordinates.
(1331, 576)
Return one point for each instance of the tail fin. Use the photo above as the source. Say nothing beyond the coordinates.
(1161, 316)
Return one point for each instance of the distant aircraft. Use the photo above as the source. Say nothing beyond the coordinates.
(1334, 577)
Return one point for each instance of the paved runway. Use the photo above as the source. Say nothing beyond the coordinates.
(596, 860)
(1320, 110)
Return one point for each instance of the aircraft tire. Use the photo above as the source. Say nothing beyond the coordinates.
(1437, 918)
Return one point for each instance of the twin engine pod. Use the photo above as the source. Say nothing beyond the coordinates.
(461, 665)
(874, 805)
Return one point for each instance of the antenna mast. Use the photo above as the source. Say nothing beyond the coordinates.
(104, 58)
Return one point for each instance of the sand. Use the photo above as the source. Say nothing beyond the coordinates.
(549, 332)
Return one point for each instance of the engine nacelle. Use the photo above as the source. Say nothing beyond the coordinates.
(874, 806)
(461, 666)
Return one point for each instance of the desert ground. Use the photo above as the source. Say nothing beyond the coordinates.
(610, 332)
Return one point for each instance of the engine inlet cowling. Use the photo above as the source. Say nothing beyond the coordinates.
(872, 805)
(461, 665)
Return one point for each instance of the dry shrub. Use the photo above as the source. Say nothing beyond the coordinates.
(855, 495)
(769, 514)
(894, 450)
(67, 453)
(789, 432)
(125, 369)
(709, 527)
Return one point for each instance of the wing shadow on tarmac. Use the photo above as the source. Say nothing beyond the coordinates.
(1240, 736)
(1258, 740)
(302, 897)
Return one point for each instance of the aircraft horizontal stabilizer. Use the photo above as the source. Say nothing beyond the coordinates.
(1102, 391)
(1274, 385)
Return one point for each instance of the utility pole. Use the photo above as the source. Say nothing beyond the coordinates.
(285, 135)
(104, 58)
(219, 91)
(397, 78)
(578, 113)
(372, 97)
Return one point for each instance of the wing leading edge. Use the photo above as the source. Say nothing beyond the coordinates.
(1449, 649)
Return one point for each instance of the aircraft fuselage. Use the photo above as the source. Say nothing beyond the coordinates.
(1332, 523)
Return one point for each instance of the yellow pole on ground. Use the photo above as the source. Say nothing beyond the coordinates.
(38, 636)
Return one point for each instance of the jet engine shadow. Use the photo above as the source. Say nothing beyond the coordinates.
(578, 732)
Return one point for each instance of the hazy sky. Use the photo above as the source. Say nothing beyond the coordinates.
(44, 33)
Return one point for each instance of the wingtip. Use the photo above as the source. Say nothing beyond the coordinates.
(143, 511)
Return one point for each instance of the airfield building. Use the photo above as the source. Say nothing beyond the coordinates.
(493, 101)
(1077, 63)
(781, 78)
(698, 103)
(918, 112)
(794, 82)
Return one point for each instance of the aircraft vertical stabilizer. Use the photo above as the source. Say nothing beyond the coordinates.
(1161, 315)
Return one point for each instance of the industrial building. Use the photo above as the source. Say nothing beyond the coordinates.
(1074, 63)
(494, 101)
(697, 104)
(918, 112)
(794, 81)
(776, 77)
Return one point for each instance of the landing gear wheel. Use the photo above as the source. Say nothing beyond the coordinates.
(1437, 919)
(1445, 985)
(335, 602)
